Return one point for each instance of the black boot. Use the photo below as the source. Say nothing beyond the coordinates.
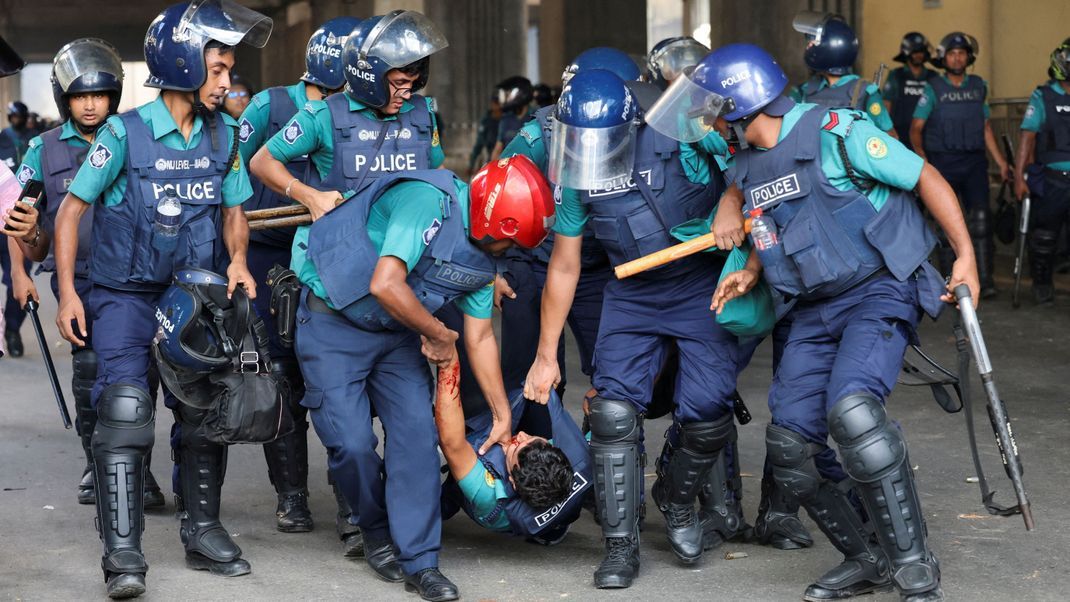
(778, 523)
(1042, 245)
(432, 585)
(864, 569)
(13, 338)
(875, 456)
(348, 532)
(287, 460)
(618, 483)
(719, 500)
(382, 556)
(208, 544)
(984, 249)
(84, 374)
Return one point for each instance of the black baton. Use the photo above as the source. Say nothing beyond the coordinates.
(31, 307)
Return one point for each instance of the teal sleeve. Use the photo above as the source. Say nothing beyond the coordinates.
(253, 125)
(529, 142)
(696, 163)
(103, 164)
(880, 157)
(925, 103)
(481, 495)
(571, 214)
(31, 163)
(303, 134)
(1034, 113)
(236, 186)
(876, 110)
(796, 94)
(438, 156)
(715, 146)
(477, 303)
(411, 217)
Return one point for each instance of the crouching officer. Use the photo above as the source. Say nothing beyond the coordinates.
(856, 282)
(87, 82)
(637, 184)
(831, 50)
(1046, 136)
(169, 181)
(906, 84)
(268, 112)
(951, 130)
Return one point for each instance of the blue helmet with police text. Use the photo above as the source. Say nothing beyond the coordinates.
(402, 39)
(199, 329)
(669, 58)
(176, 39)
(592, 140)
(833, 45)
(603, 57)
(86, 65)
(10, 61)
(951, 41)
(323, 55)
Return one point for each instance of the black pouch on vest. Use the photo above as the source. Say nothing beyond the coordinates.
(285, 291)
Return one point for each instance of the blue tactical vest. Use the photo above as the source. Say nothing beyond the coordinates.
(1053, 138)
(124, 258)
(360, 157)
(830, 239)
(834, 97)
(59, 163)
(9, 150)
(908, 90)
(281, 110)
(957, 123)
(523, 519)
(632, 216)
(345, 257)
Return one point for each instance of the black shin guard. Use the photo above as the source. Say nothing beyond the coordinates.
(618, 483)
(287, 456)
(979, 225)
(875, 456)
(84, 374)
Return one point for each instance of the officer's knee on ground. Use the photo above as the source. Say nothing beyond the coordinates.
(870, 446)
(125, 418)
(792, 458)
(708, 437)
(613, 420)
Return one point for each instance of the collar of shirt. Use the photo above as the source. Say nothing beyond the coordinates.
(965, 79)
(789, 120)
(356, 105)
(159, 117)
(1058, 87)
(68, 131)
(300, 93)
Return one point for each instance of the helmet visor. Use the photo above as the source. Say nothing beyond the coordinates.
(402, 38)
(674, 58)
(84, 57)
(591, 158)
(686, 111)
(811, 23)
(225, 21)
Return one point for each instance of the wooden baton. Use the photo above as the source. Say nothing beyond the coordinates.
(285, 211)
(288, 221)
(660, 258)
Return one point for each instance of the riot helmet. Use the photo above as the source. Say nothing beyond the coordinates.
(913, 42)
(833, 45)
(323, 55)
(602, 57)
(956, 39)
(514, 92)
(671, 56)
(1060, 62)
(86, 65)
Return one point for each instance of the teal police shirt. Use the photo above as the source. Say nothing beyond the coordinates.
(109, 178)
(483, 492)
(1035, 116)
(31, 162)
(874, 101)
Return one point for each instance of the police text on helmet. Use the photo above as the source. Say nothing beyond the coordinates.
(735, 78)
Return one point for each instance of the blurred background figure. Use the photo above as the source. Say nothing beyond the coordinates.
(238, 97)
(486, 135)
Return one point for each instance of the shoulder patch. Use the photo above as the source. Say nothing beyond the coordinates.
(840, 121)
(434, 137)
(489, 478)
(876, 147)
(1030, 111)
(311, 108)
(431, 231)
(526, 134)
(100, 156)
(26, 173)
(292, 132)
(35, 142)
(245, 130)
(875, 108)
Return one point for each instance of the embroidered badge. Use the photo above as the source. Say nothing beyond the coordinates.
(434, 138)
(489, 478)
(245, 130)
(26, 173)
(876, 148)
(431, 231)
(99, 157)
(292, 132)
(875, 108)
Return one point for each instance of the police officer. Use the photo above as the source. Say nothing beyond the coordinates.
(1046, 138)
(18, 133)
(951, 130)
(87, 82)
(633, 185)
(514, 96)
(831, 50)
(268, 112)
(906, 84)
(176, 148)
(856, 282)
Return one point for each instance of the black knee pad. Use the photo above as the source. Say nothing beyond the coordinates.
(125, 418)
(870, 446)
(708, 437)
(792, 458)
(978, 223)
(613, 421)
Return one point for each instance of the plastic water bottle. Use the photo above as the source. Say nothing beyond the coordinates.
(168, 221)
(763, 231)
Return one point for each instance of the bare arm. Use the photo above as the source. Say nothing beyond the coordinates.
(942, 203)
(486, 365)
(22, 287)
(1027, 143)
(449, 418)
(236, 237)
(561, 277)
(993, 149)
(917, 126)
(728, 223)
(70, 306)
(388, 286)
(275, 176)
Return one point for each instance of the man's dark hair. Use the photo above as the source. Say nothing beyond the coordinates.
(542, 476)
(220, 46)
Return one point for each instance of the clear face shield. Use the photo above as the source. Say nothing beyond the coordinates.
(685, 111)
(810, 23)
(83, 57)
(672, 60)
(591, 158)
(225, 21)
(402, 38)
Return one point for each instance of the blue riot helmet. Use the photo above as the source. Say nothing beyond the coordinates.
(735, 82)
(609, 59)
(323, 55)
(86, 65)
(176, 39)
(400, 39)
(592, 137)
(669, 57)
(833, 45)
(913, 42)
(10, 61)
(515, 92)
(956, 39)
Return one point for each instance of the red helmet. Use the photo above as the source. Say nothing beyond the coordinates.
(510, 199)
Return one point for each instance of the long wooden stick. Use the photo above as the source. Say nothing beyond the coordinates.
(259, 214)
(280, 222)
(660, 258)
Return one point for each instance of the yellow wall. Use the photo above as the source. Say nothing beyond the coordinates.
(1015, 36)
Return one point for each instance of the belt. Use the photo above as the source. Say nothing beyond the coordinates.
(1057, 172)
(319, 305)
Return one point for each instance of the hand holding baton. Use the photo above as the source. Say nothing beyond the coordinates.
(32, 307)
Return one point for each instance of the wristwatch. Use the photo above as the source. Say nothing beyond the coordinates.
(36, 237)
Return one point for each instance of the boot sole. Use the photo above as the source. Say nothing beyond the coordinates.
(876, 589)
(294, 528)
(129, 590)
(234, 568)
(412, 589)
(616, 583)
